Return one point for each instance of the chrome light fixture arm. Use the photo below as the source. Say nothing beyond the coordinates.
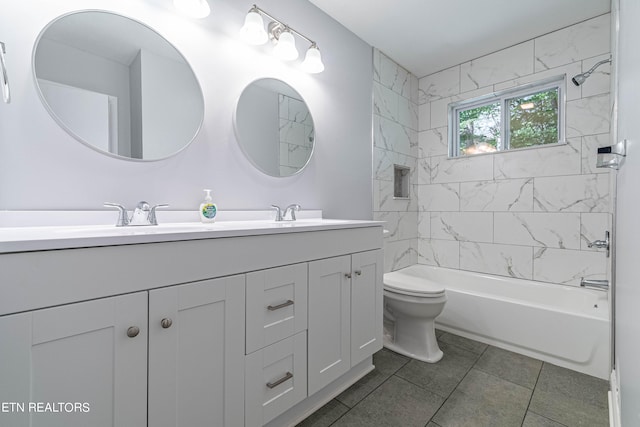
(277, 29)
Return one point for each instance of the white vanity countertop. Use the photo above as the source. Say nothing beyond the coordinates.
(39, 238)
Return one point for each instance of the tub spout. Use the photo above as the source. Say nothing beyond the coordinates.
(594, 284)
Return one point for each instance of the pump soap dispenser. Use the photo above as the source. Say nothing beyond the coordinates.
(208, 209)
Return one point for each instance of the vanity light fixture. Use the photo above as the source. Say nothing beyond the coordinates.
(281, 35)
(193, 8)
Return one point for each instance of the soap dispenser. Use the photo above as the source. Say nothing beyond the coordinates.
(208, 209)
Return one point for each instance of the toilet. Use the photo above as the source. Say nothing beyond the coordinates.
(411, 305)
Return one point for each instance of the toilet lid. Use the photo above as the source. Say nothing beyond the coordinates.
(410, 285)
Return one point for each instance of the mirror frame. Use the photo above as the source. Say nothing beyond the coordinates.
(244, 150)
(70, 131)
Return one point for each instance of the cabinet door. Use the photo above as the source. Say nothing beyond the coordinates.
(78, 353)
(196, 354)
(366, 304)
(276, 305)
(329, 321)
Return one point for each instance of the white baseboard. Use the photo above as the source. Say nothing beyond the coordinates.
(614, 401)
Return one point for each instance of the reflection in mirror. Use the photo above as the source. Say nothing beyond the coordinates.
(274, 127)
(117, 85)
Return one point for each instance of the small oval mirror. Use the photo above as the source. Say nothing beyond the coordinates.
(117, 85)
(274, 127)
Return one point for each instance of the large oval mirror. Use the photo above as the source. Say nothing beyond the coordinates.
(274, 127)
(118, 86)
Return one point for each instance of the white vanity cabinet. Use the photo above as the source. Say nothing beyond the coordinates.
(235, 331)
(345, 314)
(91, 353)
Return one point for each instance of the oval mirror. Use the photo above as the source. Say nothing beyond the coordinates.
(118, 86)
(274, 127)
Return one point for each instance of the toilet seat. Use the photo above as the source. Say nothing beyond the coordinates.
(422, 288)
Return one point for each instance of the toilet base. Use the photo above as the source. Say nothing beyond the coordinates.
(388, 344)
(425, 349)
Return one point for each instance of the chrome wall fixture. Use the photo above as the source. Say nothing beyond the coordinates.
(612, 156)
(580, 78)
(6, 94)
(253, 32)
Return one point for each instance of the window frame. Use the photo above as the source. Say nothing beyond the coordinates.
(502, 97)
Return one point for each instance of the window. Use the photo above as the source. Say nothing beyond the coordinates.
(527, 116)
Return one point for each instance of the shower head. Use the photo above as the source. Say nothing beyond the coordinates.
(580, 78)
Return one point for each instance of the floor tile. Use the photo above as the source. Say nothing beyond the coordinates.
(395, 403)
(514, 367)
(439, 332)
(535, 420)
(387, 363)
(482, 400)
(441, 377)
(570, 398)
(464, 343)
(326, 415)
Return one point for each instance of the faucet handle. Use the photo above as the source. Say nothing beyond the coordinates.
(278, 212)
(123, 218)
(152, 214)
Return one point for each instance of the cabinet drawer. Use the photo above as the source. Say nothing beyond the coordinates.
(275, 379)
(276, 305)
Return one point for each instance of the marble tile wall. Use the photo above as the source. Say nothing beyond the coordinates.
(296, 134)
(527, 214)
(395, 142)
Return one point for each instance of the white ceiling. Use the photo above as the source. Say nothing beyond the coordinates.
(426, 36)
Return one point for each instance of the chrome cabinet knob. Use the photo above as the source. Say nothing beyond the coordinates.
(347, 275)
(133, 331)
(358, 272)
(166, 323)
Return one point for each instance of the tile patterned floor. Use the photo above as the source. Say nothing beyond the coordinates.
(474, 385)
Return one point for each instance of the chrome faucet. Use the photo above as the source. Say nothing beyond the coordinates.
(601, 244)
(594, 283)
(144, 214)
(278, 212)
(289, 212)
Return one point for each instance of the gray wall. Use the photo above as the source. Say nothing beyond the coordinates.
(627, 246)
(41, 167)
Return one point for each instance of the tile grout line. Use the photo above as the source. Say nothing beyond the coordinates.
(367, 395)
(533, 392)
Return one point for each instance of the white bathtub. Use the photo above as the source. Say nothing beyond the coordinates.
(564, 325)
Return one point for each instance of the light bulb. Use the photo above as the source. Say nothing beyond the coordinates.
(193, 8)
(253, 31)
(313, 61)
(286, 47)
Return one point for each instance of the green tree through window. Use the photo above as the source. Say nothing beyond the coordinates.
(515, 118)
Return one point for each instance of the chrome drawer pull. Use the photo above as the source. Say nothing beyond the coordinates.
(275, 384)
(279, 306)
